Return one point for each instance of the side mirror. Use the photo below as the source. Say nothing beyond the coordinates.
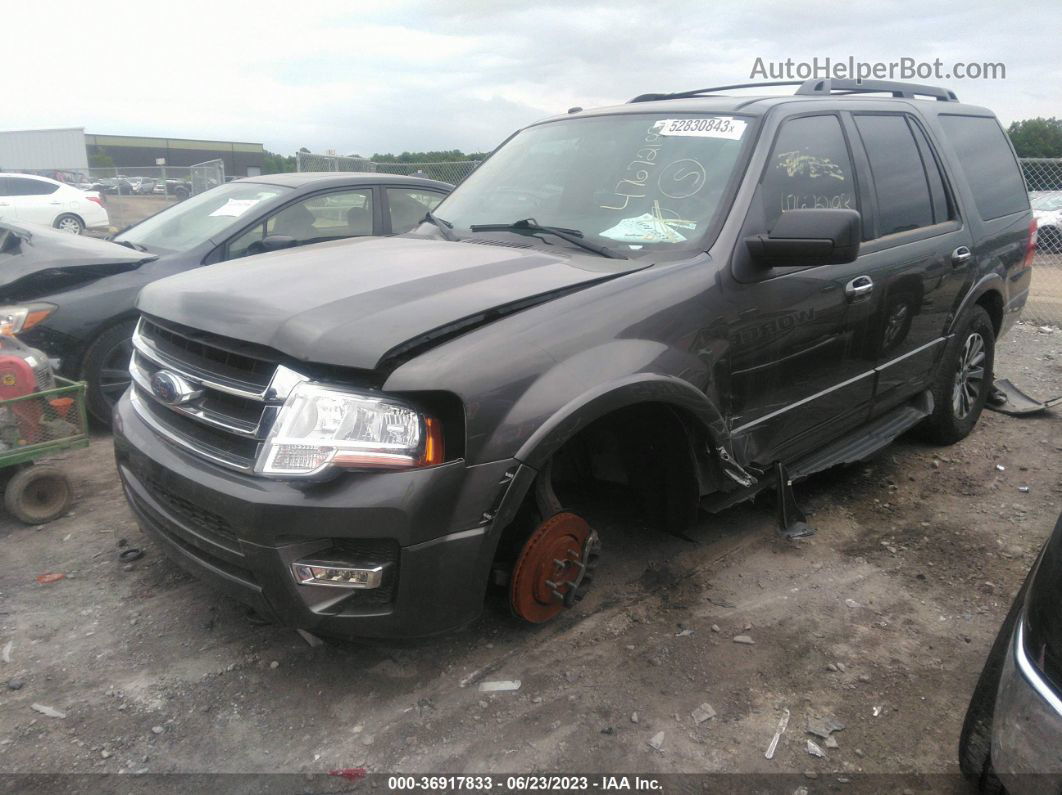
(808, 237)
(277, 242)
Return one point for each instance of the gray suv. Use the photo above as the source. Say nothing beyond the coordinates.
(693, 296)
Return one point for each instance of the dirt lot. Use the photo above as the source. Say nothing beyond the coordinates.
(882, 621)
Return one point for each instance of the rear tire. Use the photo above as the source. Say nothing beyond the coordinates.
(69, 223)
(106, 369)
(963, 380)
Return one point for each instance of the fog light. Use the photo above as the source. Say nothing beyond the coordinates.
(315, 572)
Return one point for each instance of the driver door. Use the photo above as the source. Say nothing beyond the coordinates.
(796, 377)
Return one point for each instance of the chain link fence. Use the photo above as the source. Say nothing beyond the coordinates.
(444, 172)
(1043, 176)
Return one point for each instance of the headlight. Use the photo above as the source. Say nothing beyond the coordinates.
(320, 427)
(16, 319)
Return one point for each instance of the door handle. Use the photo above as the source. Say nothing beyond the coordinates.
(961, 256)
(859, 286)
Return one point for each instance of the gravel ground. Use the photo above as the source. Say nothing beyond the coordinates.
(880, 621)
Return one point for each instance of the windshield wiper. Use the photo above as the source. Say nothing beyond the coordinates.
(573, 236)
(127, 244)
(443, 226)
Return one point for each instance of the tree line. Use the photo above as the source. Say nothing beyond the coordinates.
(274, 163)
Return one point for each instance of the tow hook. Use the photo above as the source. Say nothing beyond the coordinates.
(554, 568)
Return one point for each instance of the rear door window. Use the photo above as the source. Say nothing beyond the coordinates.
(900, 182)
(988, 163)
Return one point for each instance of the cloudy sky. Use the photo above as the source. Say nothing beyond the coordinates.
(395, 75)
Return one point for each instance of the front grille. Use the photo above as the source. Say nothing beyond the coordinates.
(234, 408)
(210, 353)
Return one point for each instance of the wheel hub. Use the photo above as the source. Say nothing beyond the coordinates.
(554, 567)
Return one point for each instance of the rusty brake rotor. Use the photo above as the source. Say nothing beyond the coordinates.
(554, 567)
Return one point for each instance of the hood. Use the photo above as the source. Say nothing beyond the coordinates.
(37, 260)
(354, 303)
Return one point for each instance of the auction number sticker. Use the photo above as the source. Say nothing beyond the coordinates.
(704, 127)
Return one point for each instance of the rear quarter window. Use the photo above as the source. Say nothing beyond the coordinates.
(988, 163)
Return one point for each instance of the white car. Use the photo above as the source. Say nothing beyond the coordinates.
(1047, 210)
(39, 200)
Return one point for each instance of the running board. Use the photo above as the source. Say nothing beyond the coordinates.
(865, 440)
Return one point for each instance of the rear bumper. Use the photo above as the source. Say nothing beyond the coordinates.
(1027, 726)
(94, 216)
(242, 533)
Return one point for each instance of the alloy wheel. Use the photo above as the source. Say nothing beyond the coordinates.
(970, 375)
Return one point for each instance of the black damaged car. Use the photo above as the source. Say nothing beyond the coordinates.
(85, 322)
(699, 295)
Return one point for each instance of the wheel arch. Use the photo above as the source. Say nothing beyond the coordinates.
(988, 293)
(640, 389)
(684, 414)
(93, 336)
(65, 213)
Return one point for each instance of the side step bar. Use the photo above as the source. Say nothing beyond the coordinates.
(865, 440)
(861, 443)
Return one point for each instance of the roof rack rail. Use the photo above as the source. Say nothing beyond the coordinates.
(821, 87)
(697, 92)
(900, 90)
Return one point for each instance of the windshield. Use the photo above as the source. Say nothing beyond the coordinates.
(199, 218)
(628, 182)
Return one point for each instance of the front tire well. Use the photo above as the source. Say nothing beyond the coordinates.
(648, 448)
(992, 303)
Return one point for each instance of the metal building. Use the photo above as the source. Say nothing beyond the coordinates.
(71, 150)
(39, 150)
(127, 151)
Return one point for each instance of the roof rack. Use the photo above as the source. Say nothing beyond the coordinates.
(899, 90)
(822, 87)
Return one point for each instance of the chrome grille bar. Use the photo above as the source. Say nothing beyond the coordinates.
(254, 407)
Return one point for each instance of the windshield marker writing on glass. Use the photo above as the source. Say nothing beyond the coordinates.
(681, 179)
(636, 178)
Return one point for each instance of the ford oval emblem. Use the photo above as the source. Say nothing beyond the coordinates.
(171, 389)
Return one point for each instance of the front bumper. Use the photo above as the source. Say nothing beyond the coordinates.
(435, 527)
(1027, 726)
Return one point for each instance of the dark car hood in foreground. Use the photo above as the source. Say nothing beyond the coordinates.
(353, 303)
(36, 260)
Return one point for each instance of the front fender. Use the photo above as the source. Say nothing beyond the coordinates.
(571, 393)
(605, 398)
